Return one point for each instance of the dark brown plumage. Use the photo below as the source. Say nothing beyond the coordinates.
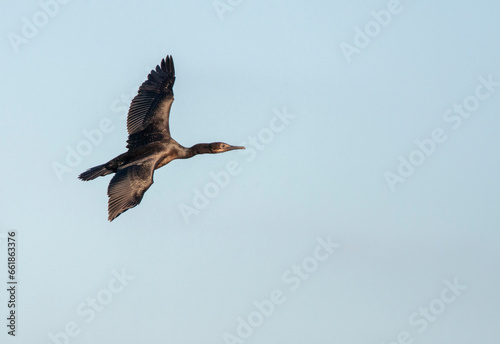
(149, 143)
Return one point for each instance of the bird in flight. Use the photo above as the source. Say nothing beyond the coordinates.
(149, 143)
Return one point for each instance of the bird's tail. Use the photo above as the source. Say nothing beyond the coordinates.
(95, 172)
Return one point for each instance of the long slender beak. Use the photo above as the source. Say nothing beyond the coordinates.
(234, 147)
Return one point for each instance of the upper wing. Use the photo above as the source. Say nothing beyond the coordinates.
(149, 111)
(128, 186)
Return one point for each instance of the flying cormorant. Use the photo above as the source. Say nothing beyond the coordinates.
(149, 143)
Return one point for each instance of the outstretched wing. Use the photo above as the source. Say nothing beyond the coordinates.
(149, 111)
(128, 186)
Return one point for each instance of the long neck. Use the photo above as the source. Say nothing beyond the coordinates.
(200, 148)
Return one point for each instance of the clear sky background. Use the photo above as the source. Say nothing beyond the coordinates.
(416, 256)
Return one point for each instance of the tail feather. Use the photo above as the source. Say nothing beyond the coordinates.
(95, 172)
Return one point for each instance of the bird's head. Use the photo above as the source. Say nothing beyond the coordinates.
(212, 148)
(220, 147)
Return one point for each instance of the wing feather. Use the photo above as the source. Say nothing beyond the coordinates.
(150, 109)
(128, 186)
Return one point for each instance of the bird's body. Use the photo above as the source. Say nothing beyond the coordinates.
(150, 145)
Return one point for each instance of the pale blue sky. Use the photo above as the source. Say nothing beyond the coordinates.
(321, 175)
